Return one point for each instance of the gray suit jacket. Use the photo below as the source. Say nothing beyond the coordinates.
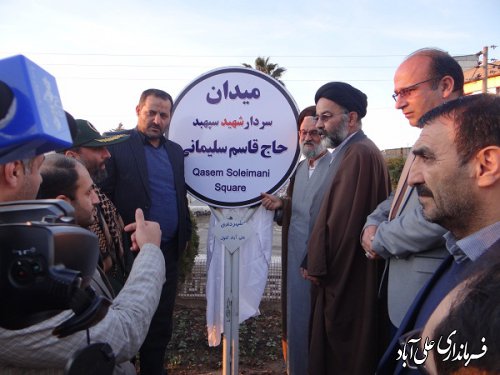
(413, 247)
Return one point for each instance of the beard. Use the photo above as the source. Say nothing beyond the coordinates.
(83, 218)
(313, 150)
(336, 136)
(98, 174)
(454, 208)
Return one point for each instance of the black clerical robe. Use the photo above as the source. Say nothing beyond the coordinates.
(346, 314)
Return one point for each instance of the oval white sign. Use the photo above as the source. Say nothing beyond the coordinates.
(237, 127)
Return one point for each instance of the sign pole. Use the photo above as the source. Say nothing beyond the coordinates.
(228, 313)
(230, 342)
(235, 318)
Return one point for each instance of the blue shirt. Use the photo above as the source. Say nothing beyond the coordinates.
(164, 208)
(464, 252)
(473, 246)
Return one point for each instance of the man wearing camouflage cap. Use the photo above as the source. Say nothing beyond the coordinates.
(89, 147)
(344, 321)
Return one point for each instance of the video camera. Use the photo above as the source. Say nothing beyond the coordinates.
(46, 261)
(46, 264)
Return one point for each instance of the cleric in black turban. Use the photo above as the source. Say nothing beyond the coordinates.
(344, 95)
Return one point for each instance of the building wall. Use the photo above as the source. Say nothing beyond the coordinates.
(401, 152)
(476, 87)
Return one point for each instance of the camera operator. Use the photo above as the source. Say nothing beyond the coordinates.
(32, 123)
(68, 179)
(34, 349)
(20, 179)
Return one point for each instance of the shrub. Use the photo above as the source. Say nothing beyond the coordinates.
(395, 166)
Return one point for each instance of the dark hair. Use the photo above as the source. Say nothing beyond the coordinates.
(477, 122)
(474, 314)
(158, 93)
(309, 111)
(59, 177)
(442, 64)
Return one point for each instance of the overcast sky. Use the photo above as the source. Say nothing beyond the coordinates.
(103, 54)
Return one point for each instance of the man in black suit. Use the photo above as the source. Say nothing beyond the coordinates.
(147, 172)
(457, 176)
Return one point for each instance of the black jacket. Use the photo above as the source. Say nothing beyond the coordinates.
(128, 187)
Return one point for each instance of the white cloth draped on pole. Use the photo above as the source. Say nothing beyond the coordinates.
(255, 257)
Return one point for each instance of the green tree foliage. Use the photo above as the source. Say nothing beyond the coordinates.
(120, 127)
(186, 260)
(263, 65)
(395, 166)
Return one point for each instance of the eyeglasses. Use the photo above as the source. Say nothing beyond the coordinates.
(411, 353)
(406, 91)
(324, 117)
(312, 133)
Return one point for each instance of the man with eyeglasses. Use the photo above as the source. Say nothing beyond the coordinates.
(396, 230)
(456, 174)
(344, 337)
(295, 220)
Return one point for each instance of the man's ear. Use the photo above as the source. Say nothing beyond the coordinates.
(12, 171)
(64, 198)
(446, 86)
(488, 166)
(353, 119)
(137, 109)
(72, 154)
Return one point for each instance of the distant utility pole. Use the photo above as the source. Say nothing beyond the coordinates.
(485, 67)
